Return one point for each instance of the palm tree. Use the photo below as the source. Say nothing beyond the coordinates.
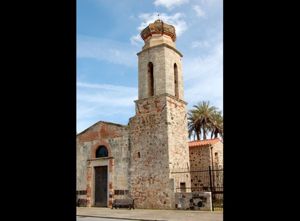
(216, 126)
(193, 128)
(203, 119)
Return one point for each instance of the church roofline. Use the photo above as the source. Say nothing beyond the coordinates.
(99, 122)
(160, 45)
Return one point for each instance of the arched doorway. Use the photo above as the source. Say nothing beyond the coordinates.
(101, 178)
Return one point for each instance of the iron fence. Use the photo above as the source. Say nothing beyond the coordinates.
(210, 180)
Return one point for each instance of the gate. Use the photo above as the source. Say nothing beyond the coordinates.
(216, 188)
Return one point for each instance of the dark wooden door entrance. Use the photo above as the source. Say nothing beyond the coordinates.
(101, 186)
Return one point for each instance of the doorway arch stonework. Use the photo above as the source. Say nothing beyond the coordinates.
(94, 162)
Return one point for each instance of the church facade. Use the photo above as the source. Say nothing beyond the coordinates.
(136, 160)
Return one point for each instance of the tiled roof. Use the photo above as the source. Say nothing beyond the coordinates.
(198, 143)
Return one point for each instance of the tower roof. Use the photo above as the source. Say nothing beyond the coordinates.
(159, 27)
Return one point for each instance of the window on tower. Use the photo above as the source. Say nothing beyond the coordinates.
(150, 79)
(176, 81)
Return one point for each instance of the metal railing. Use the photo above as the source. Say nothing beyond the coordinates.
(210, 180)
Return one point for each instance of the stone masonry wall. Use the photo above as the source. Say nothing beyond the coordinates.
(218, 155)
(200, 157)
(173, 57)
(149, 166)
(218, 165)
(178, 143)
(156, 56)
(200, 161)
(155, 147)
(163, 59)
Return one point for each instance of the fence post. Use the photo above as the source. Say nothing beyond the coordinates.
(211, 187)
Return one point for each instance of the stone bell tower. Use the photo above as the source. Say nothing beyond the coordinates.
(158, 131)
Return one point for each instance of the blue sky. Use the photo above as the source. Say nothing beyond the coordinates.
(108, 41)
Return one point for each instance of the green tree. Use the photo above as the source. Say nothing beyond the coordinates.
(204, 119)
(193, 127)
(216, 125)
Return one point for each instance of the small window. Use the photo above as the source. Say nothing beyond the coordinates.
(176, 81)
(150, 80)
(182, 187)
(101, 152)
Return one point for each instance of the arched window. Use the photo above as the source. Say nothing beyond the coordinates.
(176, 80)
(150, 79)
(101, 152)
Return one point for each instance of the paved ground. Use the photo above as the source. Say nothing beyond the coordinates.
(98, 219)
(147, 214)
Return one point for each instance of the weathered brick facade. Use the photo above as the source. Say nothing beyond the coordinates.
(115, 138)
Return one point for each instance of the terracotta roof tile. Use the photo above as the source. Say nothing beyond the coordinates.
(198, 143)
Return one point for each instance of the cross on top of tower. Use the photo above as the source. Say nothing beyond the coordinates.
(158, 18)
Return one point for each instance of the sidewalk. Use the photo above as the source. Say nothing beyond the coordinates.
(147, 214)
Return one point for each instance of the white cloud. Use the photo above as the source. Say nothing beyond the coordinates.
(169, 4)
(212, 2)
(103, 102)
(204, 77)
(106, 87)
(176, 20)
(199, 11)
(136, 40)
(200, 44)
(106, 50)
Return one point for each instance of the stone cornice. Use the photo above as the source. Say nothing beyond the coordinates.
(162, 95)
(100, 159)
(161, 45)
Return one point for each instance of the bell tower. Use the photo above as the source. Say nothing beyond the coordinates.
(160, 70)
(158, 131)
